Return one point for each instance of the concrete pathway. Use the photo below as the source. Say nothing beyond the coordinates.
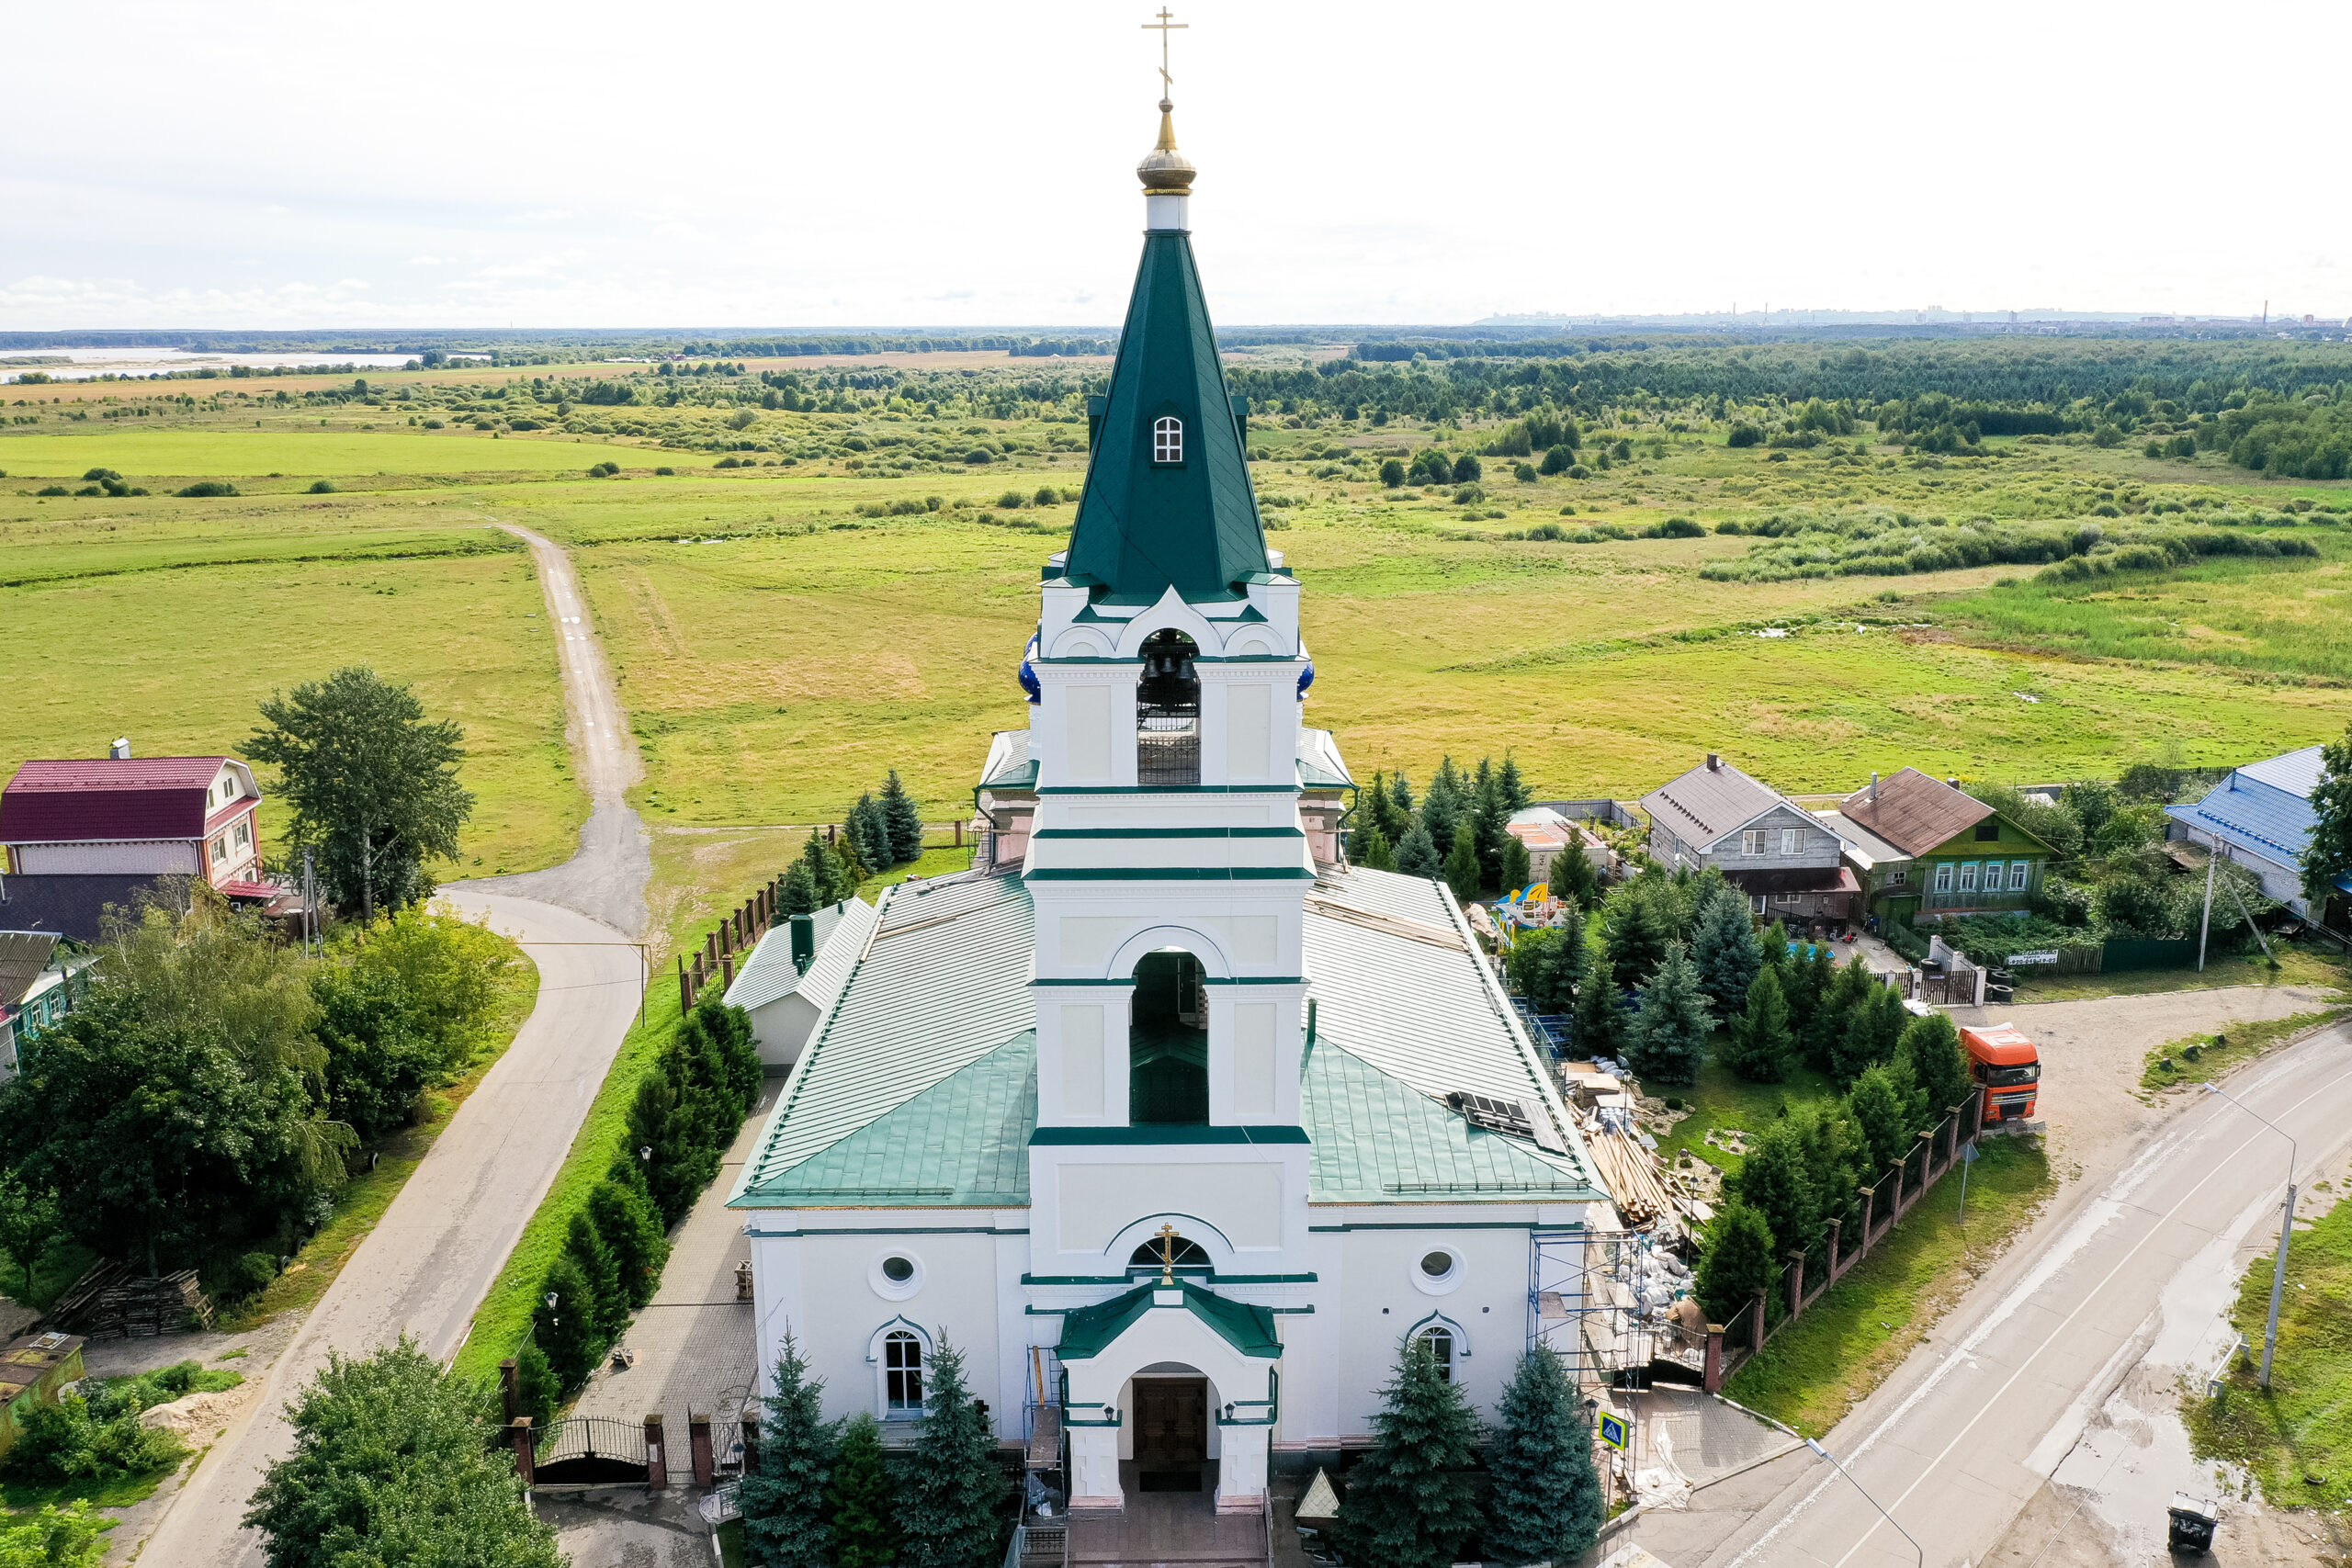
(695, 1342)
(424, 1268)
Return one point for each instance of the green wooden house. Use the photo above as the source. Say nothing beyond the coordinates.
(1923, 849)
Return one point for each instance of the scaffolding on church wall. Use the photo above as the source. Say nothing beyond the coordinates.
(1604, 1301)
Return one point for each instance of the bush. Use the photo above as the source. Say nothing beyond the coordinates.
(607, 469)
(1523, 472)
(62, 1442)
(207, 488)
(666, 472)
(61, 490)
(321, 487)
(1559, 459)
(246, 1274)
(1392, 474)
(1744, 436)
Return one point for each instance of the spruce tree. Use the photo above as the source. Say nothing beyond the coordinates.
(537, 1392)
(1878, 1107)
(869, 830)
(1417, 854)
(1737, 1265)
(849, 868)
(1776, 1181)
(824, 871)
(901, 819)
(1875, 1021)
(1931, 1047)
(785, 1522)
(1462, 871)
(653, 1118)
(602, 1272)
(862, 1500)
(1758, 1046)
(1372, 850)
(1601, 1024)
(800, 894)
(1725, 949)
(1377, 806)
(1443, 804)
(1572, 876)
(1669, 1032)
(1490, 822)
(565, 1329)
(1637, 935)
(1517, 872)
(1410, 1500)
(624, 1217)
(1517, 797)
(1843, 987)
(1401, 791)
(949, 1502)
(1546, 1504)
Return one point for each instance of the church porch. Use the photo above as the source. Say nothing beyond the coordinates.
(1161, 1526)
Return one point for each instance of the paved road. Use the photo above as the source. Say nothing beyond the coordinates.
(1968, 1432)
(424, 1268)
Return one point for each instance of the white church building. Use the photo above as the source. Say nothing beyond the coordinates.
(1175, 1124)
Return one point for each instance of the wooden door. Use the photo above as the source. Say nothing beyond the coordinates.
(1171, 1422)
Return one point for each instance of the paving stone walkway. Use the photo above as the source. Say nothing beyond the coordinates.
(694, 1341)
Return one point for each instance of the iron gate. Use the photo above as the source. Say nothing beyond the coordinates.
(586, 1450)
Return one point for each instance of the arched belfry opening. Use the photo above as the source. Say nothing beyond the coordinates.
(1168, 1042)
(1168, 710)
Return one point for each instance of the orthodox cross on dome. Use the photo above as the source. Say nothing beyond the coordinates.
(1166, 1231)
(1164, 26)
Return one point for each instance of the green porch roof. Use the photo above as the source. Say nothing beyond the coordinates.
(1144, 527)
(1248, 1329)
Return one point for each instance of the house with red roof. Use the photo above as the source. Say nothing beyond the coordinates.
(135, 816)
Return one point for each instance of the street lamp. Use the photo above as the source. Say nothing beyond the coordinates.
(1849, 1474)
(553, 1321)
(2286, 1227)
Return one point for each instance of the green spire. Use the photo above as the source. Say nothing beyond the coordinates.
(1145, 525)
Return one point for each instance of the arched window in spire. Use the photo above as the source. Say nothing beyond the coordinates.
(1167, 439)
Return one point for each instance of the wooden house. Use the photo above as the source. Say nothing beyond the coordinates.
(1924, 849)
(1768, 846)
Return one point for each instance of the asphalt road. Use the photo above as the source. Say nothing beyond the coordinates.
(1963, 1436)
(424, 1268)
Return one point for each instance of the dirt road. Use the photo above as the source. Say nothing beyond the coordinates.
(424, 1268)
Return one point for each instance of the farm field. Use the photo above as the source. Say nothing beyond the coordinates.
(782, 635)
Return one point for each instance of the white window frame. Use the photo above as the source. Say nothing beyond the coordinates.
(1968, 877)
(1943, 876)
(1751, 840)
(1458, 1346)
(1168, 440)
(2020, 872)
(879, 1353)
(1791, 840)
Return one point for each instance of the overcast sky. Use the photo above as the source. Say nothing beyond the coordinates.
(705, 164)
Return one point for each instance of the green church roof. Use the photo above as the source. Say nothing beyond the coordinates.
(1146, 526)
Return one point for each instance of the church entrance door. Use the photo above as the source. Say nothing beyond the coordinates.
(1172, 1423)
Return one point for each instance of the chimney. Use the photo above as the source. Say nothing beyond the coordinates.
(804, 942)
(1953, 781)
(1715, 763)
(1874, 786)
(120, 751)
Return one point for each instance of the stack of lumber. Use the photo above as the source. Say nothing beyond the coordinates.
(1632, 1175)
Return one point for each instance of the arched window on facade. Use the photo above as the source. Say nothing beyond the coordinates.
(1440, 1340)
(902, 1375)
(1167, 439)
(1168, 1042)
(1184, 1254)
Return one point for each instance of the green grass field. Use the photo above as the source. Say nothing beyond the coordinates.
(780, 646)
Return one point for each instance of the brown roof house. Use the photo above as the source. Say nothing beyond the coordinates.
(1764, 844)
(1925, 849)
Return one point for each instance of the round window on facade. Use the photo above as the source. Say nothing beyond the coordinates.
(895, 1275)
(1436, 1270)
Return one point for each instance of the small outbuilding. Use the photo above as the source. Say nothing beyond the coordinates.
(32, 1370)
(797, 973)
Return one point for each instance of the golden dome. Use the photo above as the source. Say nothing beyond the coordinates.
(1164, 171)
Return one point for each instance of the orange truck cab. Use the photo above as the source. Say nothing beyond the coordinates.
(2008, 1065)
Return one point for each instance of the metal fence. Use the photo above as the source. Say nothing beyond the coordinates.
(585, 1450)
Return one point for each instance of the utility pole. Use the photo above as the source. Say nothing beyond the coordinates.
(2286, 1228)
(2213, 853)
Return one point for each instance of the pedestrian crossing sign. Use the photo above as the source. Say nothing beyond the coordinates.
(1612, 1432)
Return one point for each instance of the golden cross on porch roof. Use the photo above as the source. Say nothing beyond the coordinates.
(1167, 1235)
(1164, 26)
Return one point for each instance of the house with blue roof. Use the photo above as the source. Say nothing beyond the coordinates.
(1178, 1127)
(2261, 817)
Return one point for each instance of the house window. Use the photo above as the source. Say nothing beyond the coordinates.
(1943, 876)
(220, 847)
(1751, 842)
(1968, 877)
(245, 834)
(1989, 830)
(2019, 870)
(902, 1374)
(1898, 877)
(1440, 1343)
(1167, 439)
(1791, 840)
(1785, 897)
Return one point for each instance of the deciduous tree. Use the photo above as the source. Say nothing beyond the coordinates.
(372, 783)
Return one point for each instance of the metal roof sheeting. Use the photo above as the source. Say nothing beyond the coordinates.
(839, 932)
(2254, 817)
(943, 981)
(2297, 772)
(1708, 802)
(82, 799)
(1376, 1139)
(1912, 811)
